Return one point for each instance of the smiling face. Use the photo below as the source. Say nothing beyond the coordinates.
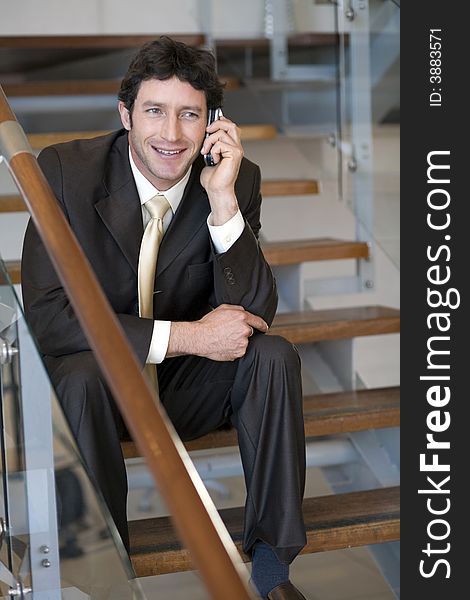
(167, 129)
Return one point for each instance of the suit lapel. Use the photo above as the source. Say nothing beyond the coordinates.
(191, 215)
(121, 212)
(120, 208)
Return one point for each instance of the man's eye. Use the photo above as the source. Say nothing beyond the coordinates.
(190, 115)
(154, 111)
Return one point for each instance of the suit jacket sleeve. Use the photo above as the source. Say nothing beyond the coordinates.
(242, 275)
(47, 307)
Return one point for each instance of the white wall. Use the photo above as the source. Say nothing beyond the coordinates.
(243, 18)
(30, 17)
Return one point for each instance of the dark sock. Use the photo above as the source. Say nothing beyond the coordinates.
(267, 571)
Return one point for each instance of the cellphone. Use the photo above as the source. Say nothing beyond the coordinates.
(214, 114)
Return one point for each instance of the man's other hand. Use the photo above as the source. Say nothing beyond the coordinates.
(221, 335)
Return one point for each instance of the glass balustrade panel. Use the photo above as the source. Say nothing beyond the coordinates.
(57, 538)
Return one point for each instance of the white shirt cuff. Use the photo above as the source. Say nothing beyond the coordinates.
(224, 236)
(159, 342)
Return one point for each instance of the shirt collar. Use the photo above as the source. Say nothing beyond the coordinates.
(147, 190)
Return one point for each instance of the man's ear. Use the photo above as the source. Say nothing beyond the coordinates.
(125, 115)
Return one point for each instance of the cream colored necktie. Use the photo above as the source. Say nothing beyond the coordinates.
(157, 207)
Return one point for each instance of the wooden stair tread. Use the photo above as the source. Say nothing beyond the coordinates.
(258, 132)
(295, 39)
(324, 414)
(276, 253)
(332, 522)
(297, 251)
(111, 41)
(269, 187)
(341, 412)
(315, 326)
(41, 140)
(13, 268)
(37, 42)
(68, 87)
(12, 203)
(72, 87)
(289, 187)
(23, 53)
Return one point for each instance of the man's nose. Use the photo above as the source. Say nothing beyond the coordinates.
(171, 128)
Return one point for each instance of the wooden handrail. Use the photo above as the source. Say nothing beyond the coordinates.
(195, 516)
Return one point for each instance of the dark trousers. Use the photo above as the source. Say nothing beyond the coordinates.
(260, 394)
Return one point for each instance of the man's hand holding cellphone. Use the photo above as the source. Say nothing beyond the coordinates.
(222, 150)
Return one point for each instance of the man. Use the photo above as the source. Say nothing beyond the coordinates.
(213, 300)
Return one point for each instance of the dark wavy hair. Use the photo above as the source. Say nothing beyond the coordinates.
(165, 58)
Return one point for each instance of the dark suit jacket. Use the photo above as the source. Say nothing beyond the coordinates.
(93, 182)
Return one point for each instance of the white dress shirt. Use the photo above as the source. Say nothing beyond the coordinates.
(223, 237)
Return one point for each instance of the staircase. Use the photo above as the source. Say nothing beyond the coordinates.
(344, 520)
(363, 508)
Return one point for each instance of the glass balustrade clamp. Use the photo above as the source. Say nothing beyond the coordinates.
(7, 351)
